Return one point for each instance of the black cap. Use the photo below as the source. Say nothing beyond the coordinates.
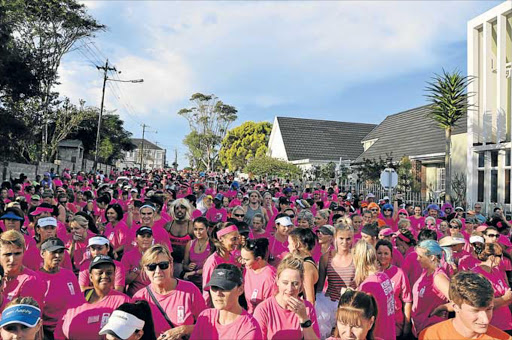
(101, 259)
(144, 230)
(225, 279)
(53, 244)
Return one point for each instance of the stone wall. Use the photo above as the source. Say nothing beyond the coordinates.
(13, 170)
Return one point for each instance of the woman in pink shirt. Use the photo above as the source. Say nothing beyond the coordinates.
(116, 230)
(180, 300)
(431, 289)
(99, 245)
(371, 281)
(62, 289)
(226, 239)
(401, 288)
(18, 281)
(196, 252)
(417, 220)
(260, 277)
(77, 245)
(285, 316)
(85, 321)
(490, 258)
(278, 243)
(258, 227)
(355, 317)
(227, 320)
(136, 278)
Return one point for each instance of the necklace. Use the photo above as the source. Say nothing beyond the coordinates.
(201, 246)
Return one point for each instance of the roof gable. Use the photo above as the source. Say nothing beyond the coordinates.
(147, 144)
(409, 133)
(322, 139)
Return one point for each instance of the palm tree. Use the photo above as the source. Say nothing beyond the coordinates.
(448, 96)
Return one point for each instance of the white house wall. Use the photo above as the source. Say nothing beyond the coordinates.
(276, 148)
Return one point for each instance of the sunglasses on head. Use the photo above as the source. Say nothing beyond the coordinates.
(162, 265)
(239, 215)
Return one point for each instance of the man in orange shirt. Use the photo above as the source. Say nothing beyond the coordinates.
(472, 299)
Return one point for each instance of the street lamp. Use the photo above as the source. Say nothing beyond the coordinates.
(105, 78)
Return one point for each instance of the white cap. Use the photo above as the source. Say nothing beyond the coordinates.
(385, 198)
(98, 241)
(46, 221)
(122, 325)
(476, 238)
(285, 220)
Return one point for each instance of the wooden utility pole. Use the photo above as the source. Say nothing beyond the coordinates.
(105, 69)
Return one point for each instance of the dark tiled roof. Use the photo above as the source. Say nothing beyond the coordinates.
(322, 139)
(73, 143)
(408, 133)
(147, 144)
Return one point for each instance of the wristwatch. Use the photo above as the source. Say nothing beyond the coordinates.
(306, 324)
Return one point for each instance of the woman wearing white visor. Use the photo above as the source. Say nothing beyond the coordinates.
(130, 321)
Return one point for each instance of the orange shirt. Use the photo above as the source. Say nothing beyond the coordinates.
(445, 330)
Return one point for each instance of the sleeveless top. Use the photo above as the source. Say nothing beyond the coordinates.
(199, 258)
(339, 277)
(178, 244)
(249, 214)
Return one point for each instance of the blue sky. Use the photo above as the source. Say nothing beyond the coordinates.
(356, 61)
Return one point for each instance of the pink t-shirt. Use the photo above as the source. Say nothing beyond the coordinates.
(27, 283)
(380, 286)
(81, 254)
(468, 262)
(411, 267)
(131, 264)
(83, 276)
(182, 305)
(402, 293)
(426, 297)
(417, 223)
(62, 292)
(277, 250)
(159, 234)
(33, 260)
(245, 327)
(259, 286)
(118, 235)
(278, 323)
(501, 318)
(397, 258)
(85, 321)
(217, 215)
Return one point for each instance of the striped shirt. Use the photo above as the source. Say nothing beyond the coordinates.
(339, 277)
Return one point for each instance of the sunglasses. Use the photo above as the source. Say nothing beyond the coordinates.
(291, 216)
(454, 227)
(374, 209)
(162, 265)
(239, 215)
(402, 214)
(492, 235)
(388, 209)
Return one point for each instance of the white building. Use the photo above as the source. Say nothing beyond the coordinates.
(154, 156)
(489, 124)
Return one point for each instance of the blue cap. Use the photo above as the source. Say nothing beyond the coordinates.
(11, 216)
(26, 315)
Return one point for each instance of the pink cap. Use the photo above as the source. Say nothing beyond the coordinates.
(481, 228)
(386, 232)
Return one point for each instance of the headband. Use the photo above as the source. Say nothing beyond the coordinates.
(147, 206)
(403, 237)
(227, 230)
(476, 238)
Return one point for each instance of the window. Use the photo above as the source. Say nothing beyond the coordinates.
(494, 186)
(481, 160)
(494, 158)
(441, 172)
(507, 186)
(480, 193)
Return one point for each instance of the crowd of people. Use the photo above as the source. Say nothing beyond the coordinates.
(182, 255)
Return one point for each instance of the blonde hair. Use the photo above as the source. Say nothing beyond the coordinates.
(291, 261)
(12, 237)
(152, 253)
(404, 224)
(365, 261)
(80, 220)
(183, 202)
(324, 213)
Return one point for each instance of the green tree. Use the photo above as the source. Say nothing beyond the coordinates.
(327, 171)
(448, 96)
(209, 120)
(370, 169)
(268, 166)
(243, 143)
(406, 180)
(46, 30)
(114, 138)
